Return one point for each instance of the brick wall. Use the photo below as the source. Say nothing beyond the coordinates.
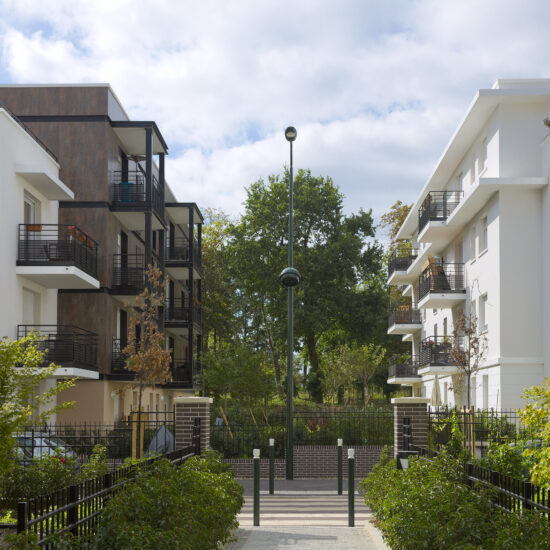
(187, 409)
(415, 408)
(312, 461)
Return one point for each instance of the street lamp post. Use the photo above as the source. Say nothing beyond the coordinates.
(289, 278)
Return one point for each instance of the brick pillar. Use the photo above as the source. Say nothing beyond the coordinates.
(187, 409)
(416, 408)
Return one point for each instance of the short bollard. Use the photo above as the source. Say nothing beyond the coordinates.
(256, 455)
(340, 466)
(351, 487)
(271, 466)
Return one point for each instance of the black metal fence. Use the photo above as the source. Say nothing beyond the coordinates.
(438, 206)
(76, 509)
(54, 244)
(403, 367)
(79, 439)
(310, 428)
(442, 277)
(479, 428)
(129, 273)
(507, 493)
(408, 314)
(64, 345)
(437, 350)
(401, 259)
(128, 187)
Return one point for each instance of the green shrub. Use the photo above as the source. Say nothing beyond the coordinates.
(429, 506)
(193, 506)
(98, 464)
(41, 477)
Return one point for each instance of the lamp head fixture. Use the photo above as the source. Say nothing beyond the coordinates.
(290, 277)
(291, 133)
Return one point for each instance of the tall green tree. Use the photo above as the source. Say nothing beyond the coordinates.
(335, 254)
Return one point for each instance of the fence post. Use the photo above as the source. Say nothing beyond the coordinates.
(256, 455)
(108, 483)
(72, 512)
(197, 436)
(271, 466)
(340, 465)
(21, 517)
(133, 424)
(351, 487)
(527, 495)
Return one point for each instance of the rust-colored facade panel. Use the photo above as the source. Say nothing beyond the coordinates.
(55, 100)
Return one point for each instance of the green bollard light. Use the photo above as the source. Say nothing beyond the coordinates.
(271, 466)
(340, 465)
(256, 455)
(351, 487)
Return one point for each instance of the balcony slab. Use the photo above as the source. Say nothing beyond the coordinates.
(438, 369)
(404, 328)
(405, 381)
(441, 300)
(56, 276)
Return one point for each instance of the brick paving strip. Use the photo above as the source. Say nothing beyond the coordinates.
(305, 514)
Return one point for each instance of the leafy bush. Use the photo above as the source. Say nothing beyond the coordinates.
(193, 506)
(429, 506)
(98, 464)
(41, 477)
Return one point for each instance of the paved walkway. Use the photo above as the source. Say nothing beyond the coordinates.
(304, 514)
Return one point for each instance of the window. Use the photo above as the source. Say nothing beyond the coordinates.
(31, 209)
(473, 391)
(445, 326)
(473, 307)
(472, 169)
(435, 332)
(482, 313)
(473, 243)
(483, 235)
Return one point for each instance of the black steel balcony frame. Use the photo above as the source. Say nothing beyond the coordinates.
(128, 190)
(400, 367)
(436, 350)
(178, 253)
(405, 314)
(128, 273)
(176, 313)
(46, 244)
(441, 277)
(65, 345)
(438, 206)
(401, 259)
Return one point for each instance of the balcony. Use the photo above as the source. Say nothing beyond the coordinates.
(436, 356)
(433, 214)
(184, 375)
(178, 318)
(57, 256)
(71, 348)
(129, 199)
(399, 263)
(178, 260)
(128, 275)
(403, 371)
(404, 319)
(441, 285)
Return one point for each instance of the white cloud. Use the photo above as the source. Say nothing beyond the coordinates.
(374, 88)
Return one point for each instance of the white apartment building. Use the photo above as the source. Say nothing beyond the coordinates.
(38, 255)
(479, 234)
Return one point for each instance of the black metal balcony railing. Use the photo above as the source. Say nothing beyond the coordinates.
(404, 315)
(54, 244)
(129, 273)
(181, 372)
(441, 277)
(128, 187)
(179, 251)
(401, 259)
(176, 312)
(436, 350)
(64, 345)
(118, 360)
(400, 367)
(438, 206)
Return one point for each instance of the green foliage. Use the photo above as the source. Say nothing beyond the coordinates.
(535, 417)
(41, 477)
(21, 373)
(505, 458)
(191, 507)
(98, 465)
(429, 506)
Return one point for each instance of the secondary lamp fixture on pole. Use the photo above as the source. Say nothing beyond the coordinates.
(289, 278)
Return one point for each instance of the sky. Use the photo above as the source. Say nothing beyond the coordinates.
(374, 88)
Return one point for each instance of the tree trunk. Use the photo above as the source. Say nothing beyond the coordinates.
(314, 380)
